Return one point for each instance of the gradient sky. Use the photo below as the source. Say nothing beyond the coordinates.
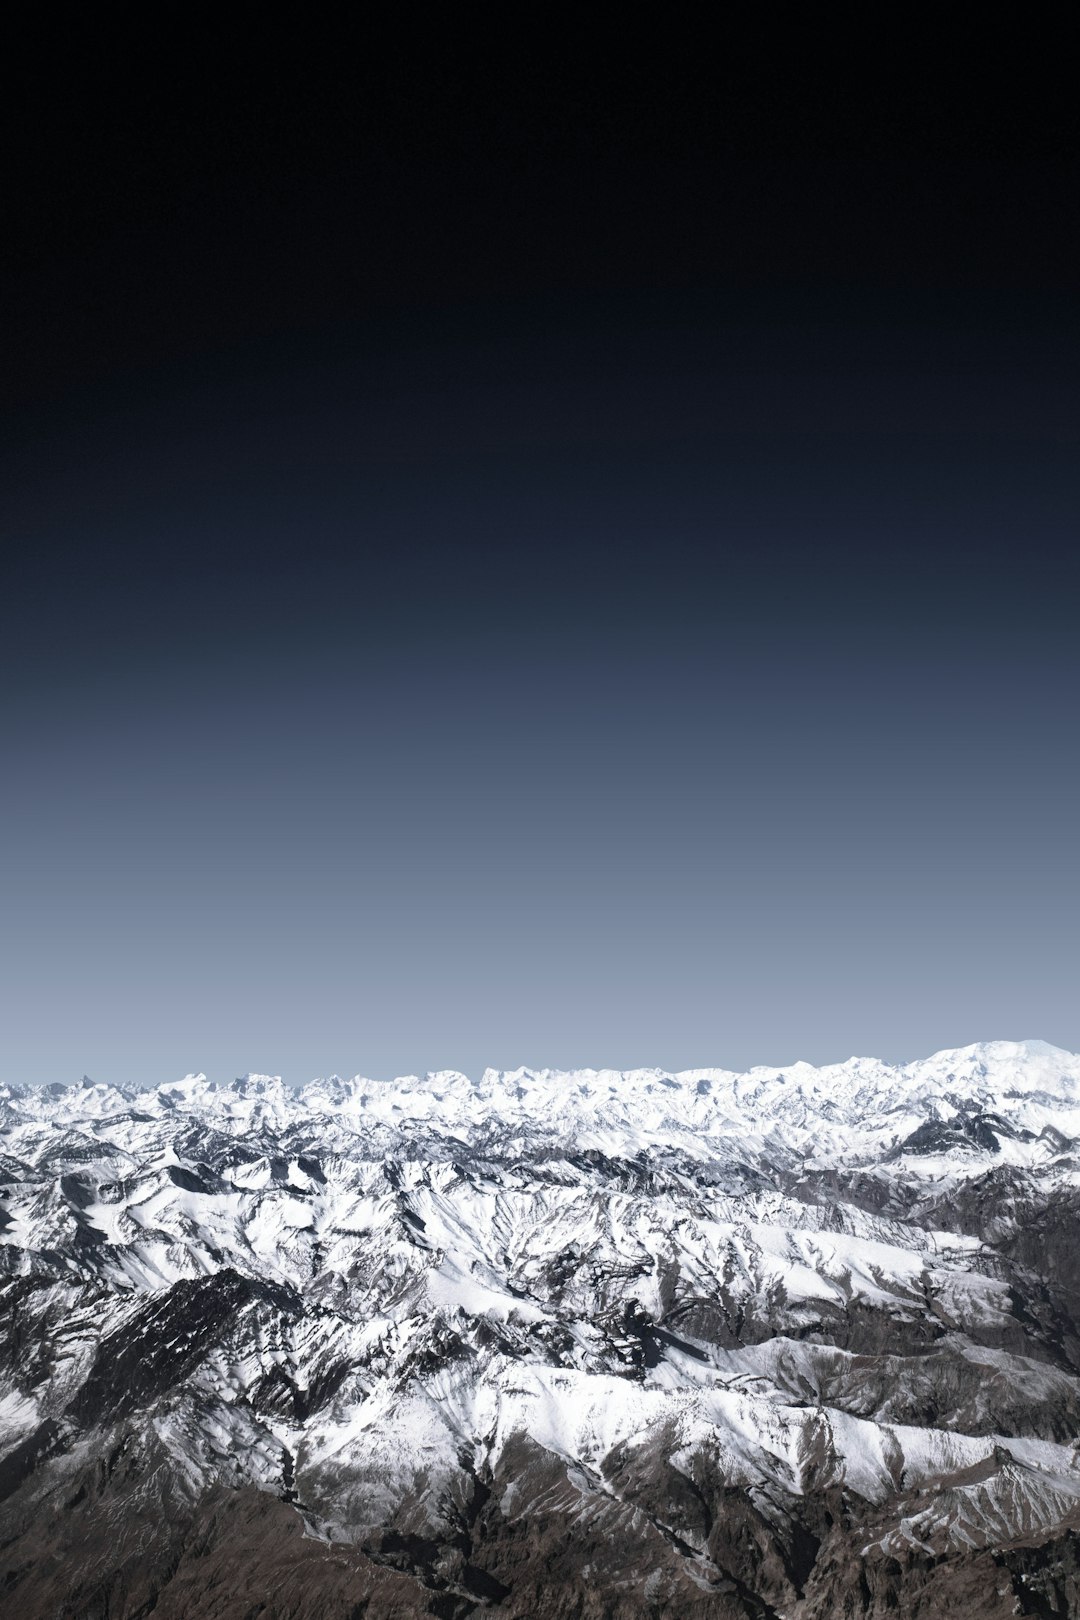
(607, 599)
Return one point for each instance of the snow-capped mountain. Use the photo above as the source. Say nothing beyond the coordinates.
(800, 1343)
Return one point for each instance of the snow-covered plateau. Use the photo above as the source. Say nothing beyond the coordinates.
(798, 1343)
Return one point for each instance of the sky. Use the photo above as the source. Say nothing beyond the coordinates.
(563, 564)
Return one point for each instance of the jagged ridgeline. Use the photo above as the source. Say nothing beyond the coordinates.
(799, 1344)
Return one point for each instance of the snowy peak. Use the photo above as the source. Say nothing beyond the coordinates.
(860, 1111)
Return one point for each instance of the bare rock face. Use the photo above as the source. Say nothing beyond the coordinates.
(591, 1346)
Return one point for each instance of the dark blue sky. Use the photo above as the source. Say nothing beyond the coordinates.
(611, 608)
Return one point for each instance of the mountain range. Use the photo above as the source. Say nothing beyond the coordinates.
(790, 1344)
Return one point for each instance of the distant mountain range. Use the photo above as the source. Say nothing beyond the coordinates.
(798, 1343)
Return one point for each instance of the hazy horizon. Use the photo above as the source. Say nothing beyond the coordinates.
(297, 1081)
